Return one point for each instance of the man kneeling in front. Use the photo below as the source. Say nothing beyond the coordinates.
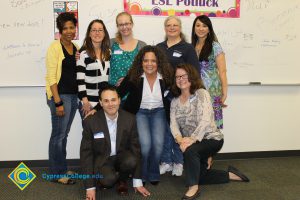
(110, 147)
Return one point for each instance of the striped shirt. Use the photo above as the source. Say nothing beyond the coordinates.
(91, 75)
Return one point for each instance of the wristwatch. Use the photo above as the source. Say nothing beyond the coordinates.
(59, 104)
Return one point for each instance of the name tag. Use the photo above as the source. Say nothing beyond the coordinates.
(166, 93)
(98, 135)
(118, 51)
(177, 54)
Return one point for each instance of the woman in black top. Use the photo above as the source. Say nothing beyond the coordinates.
(178, 51)
(62, 94)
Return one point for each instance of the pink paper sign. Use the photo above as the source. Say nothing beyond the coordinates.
(211, 8)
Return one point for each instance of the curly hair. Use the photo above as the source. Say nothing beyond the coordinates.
(105, 44)
(193, 77)
(63, 18)
(211, 37)
(163, 66)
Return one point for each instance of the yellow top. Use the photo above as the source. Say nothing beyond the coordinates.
(54, 58)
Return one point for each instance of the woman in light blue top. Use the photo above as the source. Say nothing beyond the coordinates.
(212, 64)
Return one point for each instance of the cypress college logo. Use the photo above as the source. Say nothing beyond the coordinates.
(22, 176)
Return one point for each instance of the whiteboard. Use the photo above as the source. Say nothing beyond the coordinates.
(260, 46)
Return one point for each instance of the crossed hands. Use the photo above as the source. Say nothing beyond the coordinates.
(185, 143)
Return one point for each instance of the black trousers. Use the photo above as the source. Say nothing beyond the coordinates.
(195, 163)
(116, 168)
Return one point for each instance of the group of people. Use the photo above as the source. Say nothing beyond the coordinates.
(146, 110)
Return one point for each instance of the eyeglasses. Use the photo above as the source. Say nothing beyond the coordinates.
(124, 25)
(97, 31)
(182, 77)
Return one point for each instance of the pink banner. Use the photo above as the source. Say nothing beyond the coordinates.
(211, 8)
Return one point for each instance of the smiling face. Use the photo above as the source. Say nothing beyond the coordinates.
(124, 24)
(172, 28)
(68, 31)
(97, 33)
(110, 102)
(201, 30)
(182, 79)
(150, 63)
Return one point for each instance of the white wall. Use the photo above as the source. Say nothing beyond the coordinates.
(258, 118)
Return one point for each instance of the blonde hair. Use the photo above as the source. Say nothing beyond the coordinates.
(118, 34)
(182, 36)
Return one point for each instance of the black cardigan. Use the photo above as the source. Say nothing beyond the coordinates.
(135, 93)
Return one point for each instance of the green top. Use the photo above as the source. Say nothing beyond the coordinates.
(121, 61)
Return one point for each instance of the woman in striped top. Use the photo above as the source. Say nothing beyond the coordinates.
(93, 65)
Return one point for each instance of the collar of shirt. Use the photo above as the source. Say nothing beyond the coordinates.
(112, 128)
(159, 76)
(179, 43)
(112, 120)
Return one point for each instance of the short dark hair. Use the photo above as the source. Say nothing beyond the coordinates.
(106, 87)
(63, 18)
(193, 77)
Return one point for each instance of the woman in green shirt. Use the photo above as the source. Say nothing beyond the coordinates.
(124, 49)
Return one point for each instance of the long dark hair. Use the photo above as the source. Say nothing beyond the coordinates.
(163, 66)
(193, 77)
(105, 44)
(211, 37)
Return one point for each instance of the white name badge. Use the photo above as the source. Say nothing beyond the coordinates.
(118, 51)
(98, 135)
(166, 93)
(176, 54)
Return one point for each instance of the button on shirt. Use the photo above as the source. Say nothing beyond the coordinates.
(112, 128)
(151, 99)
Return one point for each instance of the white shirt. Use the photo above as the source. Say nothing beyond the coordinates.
(151, 99)
(112, 129)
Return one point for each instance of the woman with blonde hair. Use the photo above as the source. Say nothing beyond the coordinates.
(124, 48)
(178, 51)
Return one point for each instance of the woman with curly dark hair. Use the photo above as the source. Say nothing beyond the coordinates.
(147, 85)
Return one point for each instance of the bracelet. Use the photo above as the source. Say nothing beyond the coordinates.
(59, 104)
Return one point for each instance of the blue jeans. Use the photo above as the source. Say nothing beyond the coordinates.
(60, 130)
(171, 151)
(151, 126)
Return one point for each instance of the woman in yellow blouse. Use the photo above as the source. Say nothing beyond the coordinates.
(62, 92)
